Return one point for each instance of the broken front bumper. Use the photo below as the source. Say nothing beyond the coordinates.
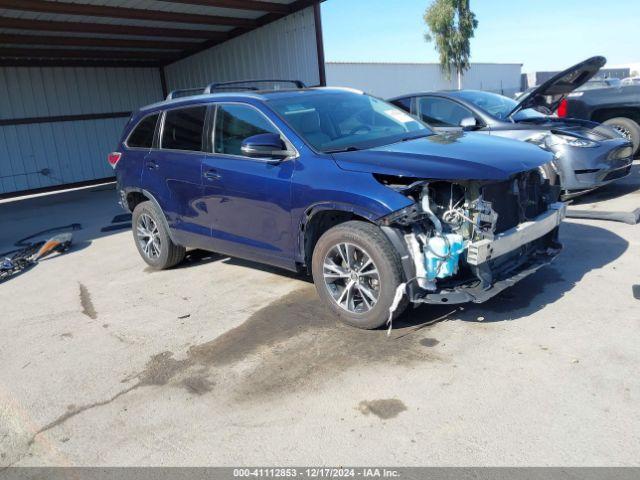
(499, 263)
(505, 242)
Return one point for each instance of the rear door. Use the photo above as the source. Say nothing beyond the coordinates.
(248, 200)
(172, 173)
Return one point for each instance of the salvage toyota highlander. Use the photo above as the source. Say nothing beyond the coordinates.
(380, 209)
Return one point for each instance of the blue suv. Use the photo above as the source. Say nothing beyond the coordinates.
(381, 210)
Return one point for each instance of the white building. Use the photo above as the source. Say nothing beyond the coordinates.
(392, 79)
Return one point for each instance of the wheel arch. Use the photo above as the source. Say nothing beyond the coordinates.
(319, 218)
(606, 113)
(132, 197)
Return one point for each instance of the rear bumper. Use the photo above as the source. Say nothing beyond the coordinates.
(504, 261)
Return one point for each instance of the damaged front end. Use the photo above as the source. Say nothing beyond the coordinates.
(465, 241)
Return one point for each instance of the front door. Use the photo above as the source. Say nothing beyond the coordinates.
(248, 200)
(172, 173)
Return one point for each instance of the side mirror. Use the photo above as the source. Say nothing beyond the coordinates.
(469, 123)
(265, 146)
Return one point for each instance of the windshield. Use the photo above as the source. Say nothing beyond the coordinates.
(497, 105)
(336, 121)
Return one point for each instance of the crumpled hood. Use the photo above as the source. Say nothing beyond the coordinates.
(449, 156)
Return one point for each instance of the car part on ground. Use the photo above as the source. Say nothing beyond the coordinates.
(586, 155)
(21, 260)
(376, 206)
(630, 218)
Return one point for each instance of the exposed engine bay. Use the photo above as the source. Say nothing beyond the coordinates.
(464, 236)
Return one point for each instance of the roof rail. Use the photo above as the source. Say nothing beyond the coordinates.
(228, 85)
(186, 92)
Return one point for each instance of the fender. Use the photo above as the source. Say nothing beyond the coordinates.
(323, 207)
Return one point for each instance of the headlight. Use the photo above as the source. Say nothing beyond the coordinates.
(546, 140)
(571, 141)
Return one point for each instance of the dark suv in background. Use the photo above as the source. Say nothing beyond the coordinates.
(379, 208)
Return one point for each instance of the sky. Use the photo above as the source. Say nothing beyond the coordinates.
(540, 34)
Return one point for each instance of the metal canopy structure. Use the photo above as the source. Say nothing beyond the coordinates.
(126, 33)
(72, 71)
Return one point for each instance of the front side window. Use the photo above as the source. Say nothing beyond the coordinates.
(441, 112)
(183, 128)
(403, 103)
(234, 124)
(336, 121)
(142, 135)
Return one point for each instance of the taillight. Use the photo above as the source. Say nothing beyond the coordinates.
(562, 108)
(114, 158)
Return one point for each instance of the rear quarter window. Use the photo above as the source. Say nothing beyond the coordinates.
(142, 134)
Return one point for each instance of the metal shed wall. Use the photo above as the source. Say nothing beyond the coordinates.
(38, 150)
(392, 79)
(284, 49)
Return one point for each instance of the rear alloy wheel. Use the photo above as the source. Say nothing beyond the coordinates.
(152, 238)
(356, 271)
(627, 128)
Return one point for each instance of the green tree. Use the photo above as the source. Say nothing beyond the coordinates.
(451, 24)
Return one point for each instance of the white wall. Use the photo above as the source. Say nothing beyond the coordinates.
(73, 151)
(284, 49)
(393, 79)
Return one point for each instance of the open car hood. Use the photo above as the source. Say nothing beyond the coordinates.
(450, 156)
(561, 84)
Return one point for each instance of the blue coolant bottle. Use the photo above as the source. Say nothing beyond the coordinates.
(442, 254)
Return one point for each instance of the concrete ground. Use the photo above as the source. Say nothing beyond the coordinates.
(225, 362)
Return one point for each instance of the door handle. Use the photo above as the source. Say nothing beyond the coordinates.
(151, 165)
(211, 175)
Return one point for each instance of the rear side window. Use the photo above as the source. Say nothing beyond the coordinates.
(235, 123)
(142, 135)
(183, 129)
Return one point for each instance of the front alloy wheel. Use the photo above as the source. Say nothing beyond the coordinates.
(357, 271)
(351, 277)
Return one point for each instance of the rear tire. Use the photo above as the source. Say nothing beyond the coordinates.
(371, 294)
(152, 238)
(629, 128)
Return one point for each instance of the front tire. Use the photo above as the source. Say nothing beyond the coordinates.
(356, 271)
(152, 238)
(627, 127)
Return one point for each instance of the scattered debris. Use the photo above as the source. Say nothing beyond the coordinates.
(631, 218)
(575, 360)
(182, 317)
(18, 261)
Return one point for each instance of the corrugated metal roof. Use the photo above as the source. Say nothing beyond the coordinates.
(124, 19)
